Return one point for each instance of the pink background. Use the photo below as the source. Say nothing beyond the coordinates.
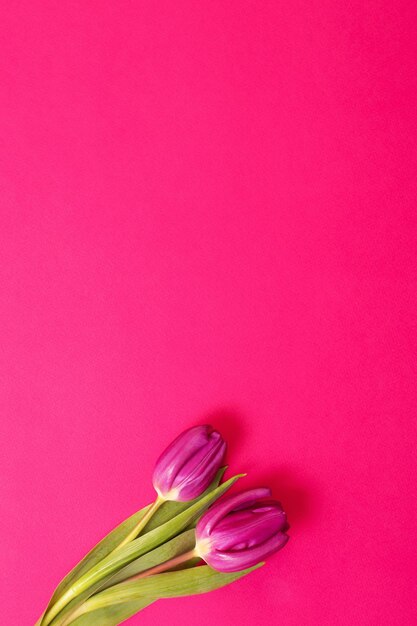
(208, 212)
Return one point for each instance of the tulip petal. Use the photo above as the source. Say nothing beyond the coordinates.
(234, 503)
(185, 446)
(233, 561)
(198, 472)
(246, 529)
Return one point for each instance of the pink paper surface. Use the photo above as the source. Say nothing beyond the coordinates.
(208, 214)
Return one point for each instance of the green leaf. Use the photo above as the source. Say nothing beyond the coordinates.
(172, 518)
(169, 550)
(200, 579)
(99, 552)
(113, 615)
(168, 585)
(151, 539)
(167, 511)
(179, 545)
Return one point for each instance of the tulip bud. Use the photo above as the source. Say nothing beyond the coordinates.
(240, 531)
(187, 467)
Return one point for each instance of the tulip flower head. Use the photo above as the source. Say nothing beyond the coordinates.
(240, 531)
(187, 467)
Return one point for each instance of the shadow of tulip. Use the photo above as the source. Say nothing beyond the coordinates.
(288, 489)
(228, 420)
(289, 486)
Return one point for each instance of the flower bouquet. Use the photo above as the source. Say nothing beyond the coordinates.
(189, 541)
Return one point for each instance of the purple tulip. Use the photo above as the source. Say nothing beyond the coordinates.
(187, 467)
(240, 531)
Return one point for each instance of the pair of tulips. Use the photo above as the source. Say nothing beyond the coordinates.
(236, 532)
(233, 535)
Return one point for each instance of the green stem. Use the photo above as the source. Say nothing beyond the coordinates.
(74, 590)
(141, 524)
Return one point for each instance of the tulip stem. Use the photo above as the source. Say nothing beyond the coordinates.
(163, 567)
(141, 523)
